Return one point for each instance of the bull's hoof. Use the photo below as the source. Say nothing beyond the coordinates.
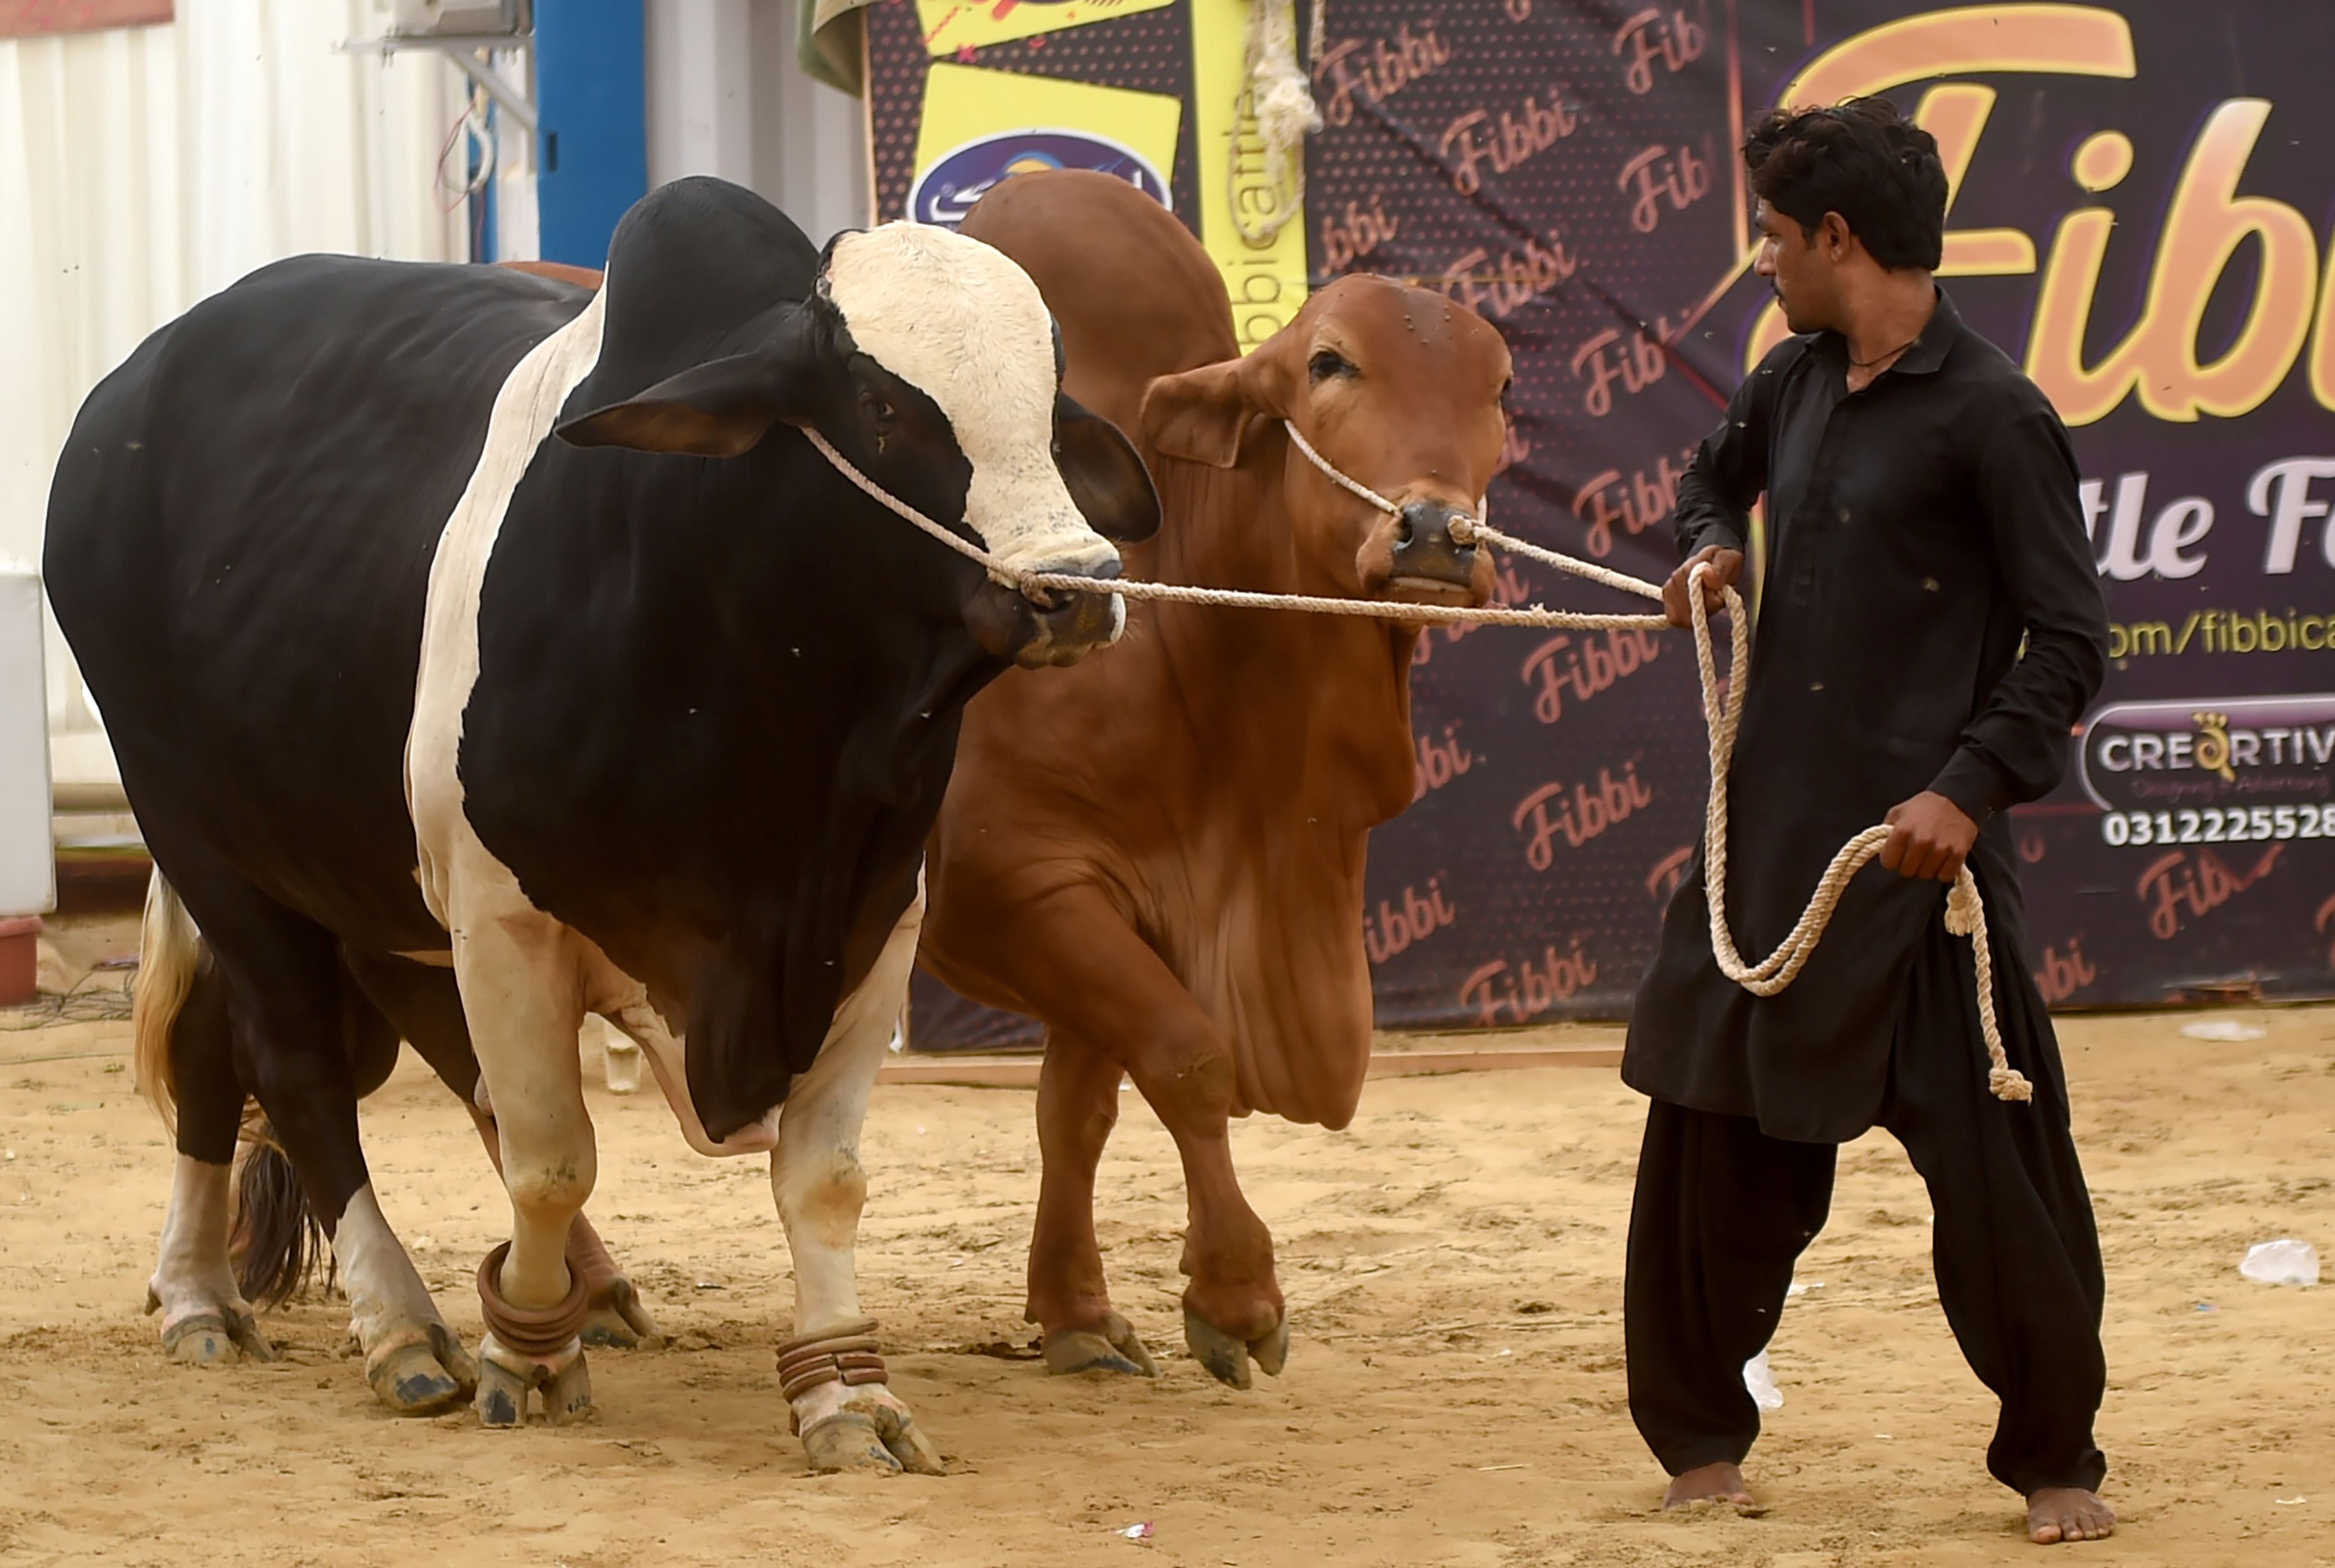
(568, 1394)
(420, 1372)
(217, 1339)
(211, 1336)
(202, 1340)
(617, 1319)
(875, 1436)
(908, 1444)
(506, 1379)
(847, 1441)
(501, 1399)
(1272, 1351)
(1227, 1358)
(1117, 1348)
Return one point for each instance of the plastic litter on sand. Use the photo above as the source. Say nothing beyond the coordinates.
(2284, 1261)
(2223, 1029)
(1761, 1383)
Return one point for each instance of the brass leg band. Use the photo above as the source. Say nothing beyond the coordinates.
(529, 1330)
(845, 1354)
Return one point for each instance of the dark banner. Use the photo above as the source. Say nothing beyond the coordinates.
(2143, 215)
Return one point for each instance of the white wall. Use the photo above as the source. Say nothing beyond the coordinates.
(142, 169)
(725, 97)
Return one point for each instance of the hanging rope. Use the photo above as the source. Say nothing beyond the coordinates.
(1281, 103)
(1965, 914)
(1722, 715)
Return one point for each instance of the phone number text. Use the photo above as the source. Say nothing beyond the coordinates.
(2219, 824)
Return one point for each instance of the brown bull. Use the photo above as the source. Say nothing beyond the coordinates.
(1160, 853)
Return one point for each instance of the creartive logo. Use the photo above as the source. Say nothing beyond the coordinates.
(2150, 756)
(947, 188)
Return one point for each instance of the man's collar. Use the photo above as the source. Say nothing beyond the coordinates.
(1929, 350)
(1927, 353)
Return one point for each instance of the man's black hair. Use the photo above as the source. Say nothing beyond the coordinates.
(1862, 159)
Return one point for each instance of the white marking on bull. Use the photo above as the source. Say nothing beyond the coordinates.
(192, 1275)
(520, 970)
(526, 979)
(965, 325)
(388, 1302)
(815, 1171)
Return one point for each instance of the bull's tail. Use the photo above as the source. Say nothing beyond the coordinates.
(170, 955)
(277, 1241)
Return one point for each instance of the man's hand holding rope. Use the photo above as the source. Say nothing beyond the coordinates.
(1725, 565)
(1929, 838)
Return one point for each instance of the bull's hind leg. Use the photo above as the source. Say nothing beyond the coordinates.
(426, 1005)
(831, 1372)
(206, 1320)
(1078, 1106)
(289, 1005)
(521, 993)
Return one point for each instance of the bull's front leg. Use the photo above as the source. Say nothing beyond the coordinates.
(1233, 1309)
(832, 1370)
(1102, 983)
(521, 990)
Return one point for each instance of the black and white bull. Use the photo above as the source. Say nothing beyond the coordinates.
(440, 726)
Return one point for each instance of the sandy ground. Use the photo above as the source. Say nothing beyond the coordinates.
(1453, 1266)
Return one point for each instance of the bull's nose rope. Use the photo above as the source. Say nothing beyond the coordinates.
(1965, 914)
(1036, 585)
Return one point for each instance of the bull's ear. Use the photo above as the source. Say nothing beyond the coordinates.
(1108, 481)
(720, 409)
(1199, 414)
(1212, 414)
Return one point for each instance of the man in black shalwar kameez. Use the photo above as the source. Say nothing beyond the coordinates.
(1931, 629)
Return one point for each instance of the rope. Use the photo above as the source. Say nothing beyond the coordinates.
(1038, 584)
(1965, 913)
(1281, 103)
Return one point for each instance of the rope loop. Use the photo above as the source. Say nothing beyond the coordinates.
(1965, 913)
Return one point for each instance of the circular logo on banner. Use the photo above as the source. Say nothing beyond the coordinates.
(946, 189)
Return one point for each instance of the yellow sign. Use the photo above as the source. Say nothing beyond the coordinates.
(2209, 220)
(1267, 278)
(981, 127)
(953, 24)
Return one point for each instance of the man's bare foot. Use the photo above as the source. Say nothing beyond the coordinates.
(1720, 1482)
(2057, 1514)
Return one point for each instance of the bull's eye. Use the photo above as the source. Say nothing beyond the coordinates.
(880, 415)
(1329, 363)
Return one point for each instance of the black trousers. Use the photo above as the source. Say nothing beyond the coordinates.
(1722, 1211)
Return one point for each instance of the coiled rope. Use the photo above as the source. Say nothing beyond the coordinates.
(1722, 715)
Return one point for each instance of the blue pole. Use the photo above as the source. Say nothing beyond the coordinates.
(592, 154)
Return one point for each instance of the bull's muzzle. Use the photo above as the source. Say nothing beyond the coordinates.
(1071, 624)
(1050, 625)
(1423, 564)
